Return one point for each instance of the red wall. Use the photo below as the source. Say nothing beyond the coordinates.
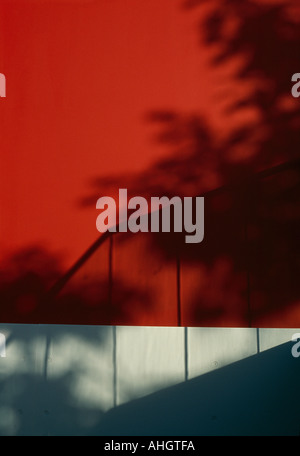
(163, 100)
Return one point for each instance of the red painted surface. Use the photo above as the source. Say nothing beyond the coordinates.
(87, 84)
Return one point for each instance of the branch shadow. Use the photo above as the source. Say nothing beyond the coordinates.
(244, 273)
(33, 289)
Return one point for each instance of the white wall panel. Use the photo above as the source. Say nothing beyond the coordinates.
(148, 359)
(272, 337)
(67, 380)
(212, 348)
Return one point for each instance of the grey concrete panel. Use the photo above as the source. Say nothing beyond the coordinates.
(271, 337)
(212, 348)
(55, 380)
(20, 376)
(69, 380)
(148, 359)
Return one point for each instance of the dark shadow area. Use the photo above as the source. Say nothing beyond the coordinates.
(245, 271)
(67, 418)
(255, 396)
(34, 289)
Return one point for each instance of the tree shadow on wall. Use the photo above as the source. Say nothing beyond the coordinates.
(42, 378)
(33, 290)
(265, 39)
(244, 273)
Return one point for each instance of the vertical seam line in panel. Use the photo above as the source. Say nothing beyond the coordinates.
(179, 317)
(186, 355)
(114, 356)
